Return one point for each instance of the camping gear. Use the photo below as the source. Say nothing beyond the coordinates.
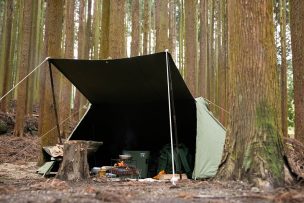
(183, 160)
(141, 160)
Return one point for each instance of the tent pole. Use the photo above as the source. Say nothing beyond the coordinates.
(169, 85)
(54, 103)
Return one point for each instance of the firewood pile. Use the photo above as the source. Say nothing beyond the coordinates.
(295, 156)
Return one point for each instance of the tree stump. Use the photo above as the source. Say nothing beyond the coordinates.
(75, 161)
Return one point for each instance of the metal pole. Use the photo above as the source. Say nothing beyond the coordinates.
(54, 103)
(170, 119)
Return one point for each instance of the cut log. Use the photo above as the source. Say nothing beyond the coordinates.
(75, 162)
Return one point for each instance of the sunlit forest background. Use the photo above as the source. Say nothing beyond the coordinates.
(194, 32)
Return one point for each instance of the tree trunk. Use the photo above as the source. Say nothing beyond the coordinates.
(172, 28)
(161, 25)
(47, 119)
(7, 46)
(284, 95)
(105, 29)
(203, 64)
(88, 31)
(146, 26)
(254, 138)
(96, 28)
(75, 161)
(135, 28)
(181, 38)
(297, 44)
(117, 29)
(190, 45)
(24, 63)
(66, 87)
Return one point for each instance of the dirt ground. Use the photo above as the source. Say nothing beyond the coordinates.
(20, 183)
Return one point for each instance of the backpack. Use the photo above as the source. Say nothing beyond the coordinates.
(182, 160)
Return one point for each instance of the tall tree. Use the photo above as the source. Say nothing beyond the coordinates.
(6, 55)
(105, 29)
(135, 28)
(253, 135)
(190, 45)
(35, 32)
(146, 26)
(222, 58)
(161, 25)
(172, 28)
(297, 44)
(24, 63)
(53, 36)
(117, 29)
(79, 98)
(88, 30)
(203, 48)
(283, 68)
(66, 87)
(96, 28)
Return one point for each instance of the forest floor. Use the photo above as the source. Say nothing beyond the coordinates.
(20, 183)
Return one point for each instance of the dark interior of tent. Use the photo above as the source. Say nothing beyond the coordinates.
(130, 110)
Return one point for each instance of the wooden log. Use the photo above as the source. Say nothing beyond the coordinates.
(75, 162)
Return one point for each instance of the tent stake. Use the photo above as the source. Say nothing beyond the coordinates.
(54, 103)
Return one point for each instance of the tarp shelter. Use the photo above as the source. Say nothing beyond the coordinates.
(129, 105)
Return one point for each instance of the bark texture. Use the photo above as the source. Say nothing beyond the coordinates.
(6, 55)
(66, 87)
(24, 63)
(203, 64)
(117, 29)
(190, 45)
(104, 37)
(284, 95)
(254, 139)
(161, 25)
(47, 119)
(135, 28)
(74, 165)
(297, 44)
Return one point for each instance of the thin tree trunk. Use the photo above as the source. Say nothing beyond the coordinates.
(203, 63)
(190, 45)
(96, 28)
(283, 68)
(33, 54)
(24, 63)
(146, 26)
(105, 29)
(181, 38)
(297, 44)
(161, 24)
(117, 29)
(135, 28)
(6, 55)
(172, 28)
(66, 87)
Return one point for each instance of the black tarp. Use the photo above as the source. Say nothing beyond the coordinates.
(129, 100)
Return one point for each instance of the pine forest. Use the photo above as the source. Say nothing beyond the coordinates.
(151, 100)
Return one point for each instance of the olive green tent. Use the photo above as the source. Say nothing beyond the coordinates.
(210, 139)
